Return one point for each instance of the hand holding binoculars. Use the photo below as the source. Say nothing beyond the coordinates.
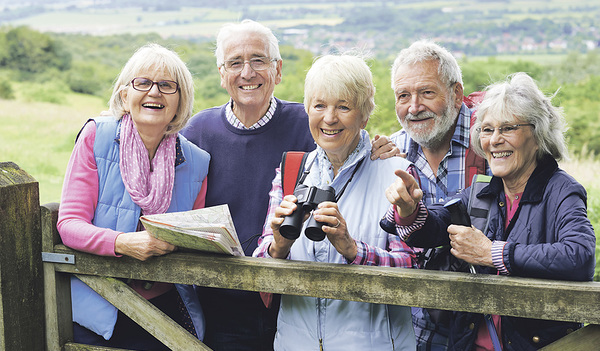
(309, 197)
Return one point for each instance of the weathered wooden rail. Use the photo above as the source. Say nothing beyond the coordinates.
(521, 297)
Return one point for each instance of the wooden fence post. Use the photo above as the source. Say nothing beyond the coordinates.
(57, 286)
(21, 281)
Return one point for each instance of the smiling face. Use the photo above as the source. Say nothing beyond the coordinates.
(511, 156)
(426, 108)
(151, 111)
(250, 90)
(335, 125)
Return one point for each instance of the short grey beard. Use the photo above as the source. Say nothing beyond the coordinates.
(446, 120)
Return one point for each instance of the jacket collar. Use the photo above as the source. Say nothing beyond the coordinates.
(536, 185)
(323, 170)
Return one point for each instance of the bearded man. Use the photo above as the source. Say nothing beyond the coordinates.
(428, 87)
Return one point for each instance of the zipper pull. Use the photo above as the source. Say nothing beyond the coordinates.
(321, 344)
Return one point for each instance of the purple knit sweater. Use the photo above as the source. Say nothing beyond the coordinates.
(243, 162)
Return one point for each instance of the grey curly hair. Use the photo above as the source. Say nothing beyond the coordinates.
(519, 97)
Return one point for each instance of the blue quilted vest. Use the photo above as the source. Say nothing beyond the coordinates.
(116, 210)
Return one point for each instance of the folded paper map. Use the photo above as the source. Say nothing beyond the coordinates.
(207, 229)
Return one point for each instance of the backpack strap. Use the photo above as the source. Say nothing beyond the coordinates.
(479, 211)
(474, 164)
(473, 99)
(479, 208)
(292, 165)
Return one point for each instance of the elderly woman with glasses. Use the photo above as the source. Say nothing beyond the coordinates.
(339, 99)
(123, 166)
(537, 224)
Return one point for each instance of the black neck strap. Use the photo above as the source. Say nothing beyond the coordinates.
(339, 195)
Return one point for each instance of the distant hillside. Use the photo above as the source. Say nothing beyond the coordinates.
(470, 27)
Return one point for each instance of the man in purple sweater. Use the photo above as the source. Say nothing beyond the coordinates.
(246, 138)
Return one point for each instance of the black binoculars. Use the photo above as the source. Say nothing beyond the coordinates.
(458, 212)
(309, 197)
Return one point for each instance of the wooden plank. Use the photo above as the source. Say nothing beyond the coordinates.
(49, 217)
(21, 276)
(57, 299)
(584, 339)
(143, 313)
(57, 287)
(520, 297)
(83, 347)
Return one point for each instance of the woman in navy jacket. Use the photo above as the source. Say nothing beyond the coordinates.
(538, 225)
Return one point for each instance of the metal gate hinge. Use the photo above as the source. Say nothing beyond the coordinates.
(58, 258)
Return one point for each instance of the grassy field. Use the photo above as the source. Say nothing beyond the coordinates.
(204, 21)
(541, 59)
(39, 137)
(187, 22)
(586, 172)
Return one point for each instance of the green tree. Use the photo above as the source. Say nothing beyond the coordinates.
(4, 50)
(6, 90)
(582, 109)
(91, 78)
(30, 51)
(383, 120)
(295, 65)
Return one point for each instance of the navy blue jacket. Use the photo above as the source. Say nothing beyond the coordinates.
(549, 237)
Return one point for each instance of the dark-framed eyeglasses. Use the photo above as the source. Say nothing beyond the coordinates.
(506, 130)
(256, 63)
(164, 86)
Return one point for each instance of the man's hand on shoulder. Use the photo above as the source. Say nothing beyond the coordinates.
(382, 147)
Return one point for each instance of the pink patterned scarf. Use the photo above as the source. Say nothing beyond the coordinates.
(149, 189)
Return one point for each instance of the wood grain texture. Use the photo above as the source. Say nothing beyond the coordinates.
(512, 296)
(143, 313)
(21, 276)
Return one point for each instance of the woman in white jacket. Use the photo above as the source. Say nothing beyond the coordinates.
(339, 98)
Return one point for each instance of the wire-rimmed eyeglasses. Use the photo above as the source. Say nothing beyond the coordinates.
(256, 63)
(164, 86)
(506, 130)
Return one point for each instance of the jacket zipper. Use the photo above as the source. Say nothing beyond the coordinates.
(319, 333)
(387, 308)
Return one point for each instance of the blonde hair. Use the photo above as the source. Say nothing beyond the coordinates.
(153, 57)
(343, 76)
